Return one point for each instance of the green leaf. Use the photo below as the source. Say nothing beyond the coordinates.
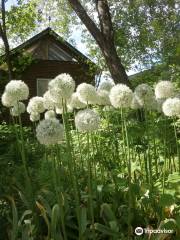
(166, 200)
(105, 230)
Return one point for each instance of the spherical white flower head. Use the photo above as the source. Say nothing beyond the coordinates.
(49, 131)
(87, 93)
(136, 103)
(62, 86)
(59, 110)
(164, 89)
(121, 96)
(75, 102)
(87, 120)
(106, 85)
(18, 109)
(36, 104)
(50, 114)
(8, 100)
(144, 93)
(103, 97)
(49, 103)
(18, 89)
(171, 107)
(34, 117)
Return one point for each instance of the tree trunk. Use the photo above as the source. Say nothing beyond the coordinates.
(114, 64)
(104, 37)
(3, 35)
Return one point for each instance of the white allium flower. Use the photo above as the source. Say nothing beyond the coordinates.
(18, 109)
(164, 89)
(34, 117)
(106, 85)
(49, 103)
(136, 103)
(62, 87)
(121, 96)
(50, 131)
(36, 104)
(87, 120)
(50, 114)
(59, 110)
(8, 100)
(103, 97)
(87, 93)
(171, 107)
(75, 102)
(144, 93)
(17, 89)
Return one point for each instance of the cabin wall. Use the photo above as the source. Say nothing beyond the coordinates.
(50, 69)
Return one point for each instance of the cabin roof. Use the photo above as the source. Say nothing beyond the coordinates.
(58, 39)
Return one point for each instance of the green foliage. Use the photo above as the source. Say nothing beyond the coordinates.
(51, 211)
(21, 20)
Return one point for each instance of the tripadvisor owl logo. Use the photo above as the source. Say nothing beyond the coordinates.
(139, 231)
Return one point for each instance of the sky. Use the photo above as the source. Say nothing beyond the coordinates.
(76, 36)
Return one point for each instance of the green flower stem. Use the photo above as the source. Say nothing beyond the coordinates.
(126, 138)
(71, 163)
(23, 157)
(177, 144)
(90, 190)
(58, 189)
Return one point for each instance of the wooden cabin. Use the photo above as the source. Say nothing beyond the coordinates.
(42, 58)
(50, 55)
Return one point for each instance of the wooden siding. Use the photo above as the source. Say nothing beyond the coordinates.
(50, 69)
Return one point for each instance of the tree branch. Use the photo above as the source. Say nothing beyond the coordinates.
(105, 19)
(3, 35)
(82, 14)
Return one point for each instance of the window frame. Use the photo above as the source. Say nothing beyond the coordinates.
(41, 79)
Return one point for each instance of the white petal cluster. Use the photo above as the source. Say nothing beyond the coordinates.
(106, 85)
(121, 96)
(7, 100)
(87, 93)
(61, 87)
(17, 89)
(48, 101)
(103, 97)
(87, 120)
(34, 117)
(50, 114)
(164, 89)
(17, 109)
(144, 93)
(171, 107)
(59, 110)
(36, 105)
(75, 102)
(49, 131)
